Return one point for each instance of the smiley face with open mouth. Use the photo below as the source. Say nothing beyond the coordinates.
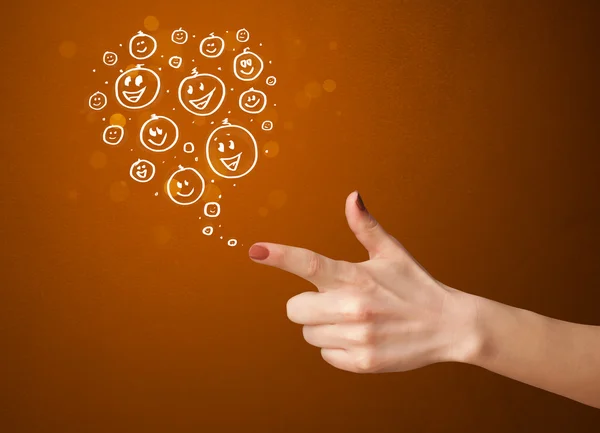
(159, 133)
(201, 94)
(253, 101)
(142, 46)
(137, 87)
(142, 171)
(231, 151)
(185, 186)
(97, 101)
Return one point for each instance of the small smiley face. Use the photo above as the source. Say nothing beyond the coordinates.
(242, 35)
(267, 125)
(142, 171)
(159, 133)
(185, 186)
(97, 101)
(212, 209)
(142, 46)
(175, 62)
(110, 58)
(179, 36)
(247, 66)
(113, 134)
(253, 101)
(271, 80)
(212, 46)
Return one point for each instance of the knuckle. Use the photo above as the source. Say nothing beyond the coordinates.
(357, 310)
(314, 265)
(365, 361)
(363, 335)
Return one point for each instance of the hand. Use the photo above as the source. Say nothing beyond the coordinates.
(382, 315)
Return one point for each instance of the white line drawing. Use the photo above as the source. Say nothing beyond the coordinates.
(204, 88)
(188, 184)
(212, 209)
(109, 58)
(247, 66)
(189, 147)
(208, 230)
(139, 78)
(113, 134)
(271, 80)
(142, 46)
(242, 35)
(212, 46)
(98, 101)
(233, 140)
(159, 133)
(179, 36)
(253, 101)
(267, 125)
(175, 62)
(232, 242)
(142, 171)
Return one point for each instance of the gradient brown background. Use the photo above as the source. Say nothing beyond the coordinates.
(469, 127)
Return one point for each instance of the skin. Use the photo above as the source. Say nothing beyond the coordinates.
(388, 314)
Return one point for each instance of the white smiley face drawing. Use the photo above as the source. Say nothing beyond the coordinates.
(185, 186)
(113, 134)
(201, 94)
(212, 46)
(137, 87)
(175, 62)
(142, 171)
(97, 101)
(142, 46)
(253, 101)
(231, 151)
(242, 35)
(110, 58)
(159, 133)
(179, 36)
(247, 66)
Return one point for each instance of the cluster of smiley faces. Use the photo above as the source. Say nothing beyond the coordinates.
(231, 150)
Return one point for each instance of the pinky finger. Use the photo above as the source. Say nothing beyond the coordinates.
(339, 358)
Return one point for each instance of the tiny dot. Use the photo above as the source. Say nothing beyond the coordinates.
(193, 36)
(120, 45)
(219, 68)
(130, 118)
(232, 89)
(168, 91)
(104, 119)
(251, 120)
(106, 82)
(212, 181)
(274, 105)
(229, 112)
(160, 69)
(193, 60)
(270, 62)
(196, 159)
(162, 55)
(221, 237)
(260, 45)
(220, 195)
(233, 49)
(219, 225)
(173, 108)
(234, 184)
(156, 194)
(212, 123)
(93, 70)
(120, 70)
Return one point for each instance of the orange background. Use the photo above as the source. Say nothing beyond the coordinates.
(469, 127)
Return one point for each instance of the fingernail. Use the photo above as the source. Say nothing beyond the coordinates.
(359, 203)
(258, 252)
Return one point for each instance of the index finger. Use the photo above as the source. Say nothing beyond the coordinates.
(307, 264)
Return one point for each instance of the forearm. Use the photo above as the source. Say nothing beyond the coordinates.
(558, 356)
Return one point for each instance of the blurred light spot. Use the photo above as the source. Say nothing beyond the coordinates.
(333, 45)
(302, 100)
(118, 191)
(212, 193)
(263, 211)
(117, 119)
(329, 85)
(277, 199)
(67, 49)
(271, 149)
(313, 89)
(151, 23)
(162, 235)
(98, 160)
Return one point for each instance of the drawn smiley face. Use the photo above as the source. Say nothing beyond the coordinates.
(242, 35)
(97, 101)
(231, 151)
(212, 209)
(113, 134)
(201, 94)
(247, 66)
(142, 46)
(212, 46)
(185, 186)
(142, 171)
(253, 101)
(179, 36)
(175, 62)
(137, 88)
(159, 133)
(110, 58)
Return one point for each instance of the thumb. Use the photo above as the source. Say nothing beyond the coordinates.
(366, 228)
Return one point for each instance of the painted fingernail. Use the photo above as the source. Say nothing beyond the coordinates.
(359, 203)
(258, 252)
